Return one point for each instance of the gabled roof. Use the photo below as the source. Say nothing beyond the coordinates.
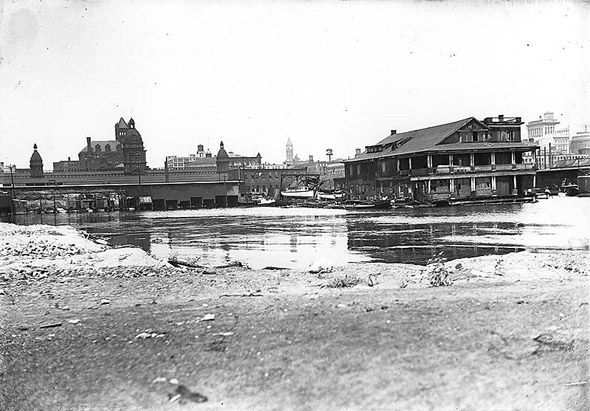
(122, 123)
(416, 141)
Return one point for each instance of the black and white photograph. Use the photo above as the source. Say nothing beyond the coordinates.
(294, 205)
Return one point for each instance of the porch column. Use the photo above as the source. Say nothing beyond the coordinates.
(493, 158)
(410, 163)
(450, 159)
(472, 160)
(513, 157)
(429, 161)
(493, 183)
(452, 185)
(534, 180)
(397, 165)
(514, 180)
(428, 187)
(535, 157)
(472, 183)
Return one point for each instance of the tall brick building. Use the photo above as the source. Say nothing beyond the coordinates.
(125, 153)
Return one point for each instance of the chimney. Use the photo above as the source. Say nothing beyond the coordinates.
(88, 144)
(393, 132)
(311, 159)
(69, 159)
(519, 119)
(500, 117)
(357, 152)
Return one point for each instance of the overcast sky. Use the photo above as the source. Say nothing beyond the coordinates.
(326, 74)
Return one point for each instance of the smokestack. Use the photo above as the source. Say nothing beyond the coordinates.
(88, 144)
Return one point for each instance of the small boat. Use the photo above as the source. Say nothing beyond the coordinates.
(298, 193)
(330, 196)
(366, 205)
(263, 201)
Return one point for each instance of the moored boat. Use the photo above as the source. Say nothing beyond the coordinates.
(298, 193)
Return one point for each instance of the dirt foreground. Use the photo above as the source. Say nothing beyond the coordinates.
(88, 327)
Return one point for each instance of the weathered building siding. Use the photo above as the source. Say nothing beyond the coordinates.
(461, 160)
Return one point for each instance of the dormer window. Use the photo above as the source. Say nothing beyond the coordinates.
(107, 147)
(97, 147)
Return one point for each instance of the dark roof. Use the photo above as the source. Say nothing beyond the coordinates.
(122, 123)
(36, 157)
(103, 143)
(429, 139)
(417, 140)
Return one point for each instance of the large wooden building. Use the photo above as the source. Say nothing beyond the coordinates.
(463, 160)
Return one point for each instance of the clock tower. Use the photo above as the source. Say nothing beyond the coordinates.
(133, 151)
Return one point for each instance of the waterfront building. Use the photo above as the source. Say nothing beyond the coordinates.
(464, 160)
(202, 159)
(580, 143)
(220, 163)
(225, 162)
(125, 153)
(264, 181)
(553, 141)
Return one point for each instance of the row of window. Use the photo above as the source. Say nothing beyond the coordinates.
(107, 147)
(541, 131)
(256, 189)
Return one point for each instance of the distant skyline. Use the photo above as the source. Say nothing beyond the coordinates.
(327, 74)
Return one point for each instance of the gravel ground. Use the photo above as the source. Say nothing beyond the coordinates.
(88, 327)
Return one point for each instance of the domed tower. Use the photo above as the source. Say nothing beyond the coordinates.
(133, 150)
(36, 163)
(222, 159)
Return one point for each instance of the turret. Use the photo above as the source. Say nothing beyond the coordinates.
(36, 163)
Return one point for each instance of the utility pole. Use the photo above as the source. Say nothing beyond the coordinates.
(13, 210)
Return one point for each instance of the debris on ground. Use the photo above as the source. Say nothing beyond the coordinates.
(242, 295)
(208, 317)
(321, 266)
(183, 393)
(554, 342)
(182, 263)
(50, 325)
(149, 334)
(234, 264)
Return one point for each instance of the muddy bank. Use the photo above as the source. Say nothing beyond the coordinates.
(86, 326)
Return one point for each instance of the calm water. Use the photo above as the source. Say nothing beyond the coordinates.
(296, 237)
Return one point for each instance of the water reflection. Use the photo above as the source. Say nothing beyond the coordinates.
(296, 237)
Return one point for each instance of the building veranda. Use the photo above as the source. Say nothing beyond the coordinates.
(465, 160)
